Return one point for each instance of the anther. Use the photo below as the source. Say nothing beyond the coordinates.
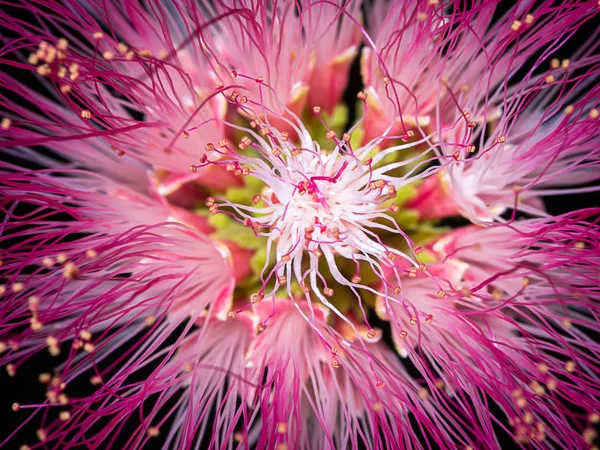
(149, 321)
(570, 366)
(71, 271)
(41, 434)
(328, 292)
(516, 25)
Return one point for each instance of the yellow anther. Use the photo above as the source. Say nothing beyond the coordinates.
(11, 370)
(86, 114)
(36, 325)
(6, 123)
(98, 35)
(516, 25)
(570, 366)
(44, 378)
(71, 271)
(153, 431)
(41, 434)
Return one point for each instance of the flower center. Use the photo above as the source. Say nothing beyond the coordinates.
(315, 204)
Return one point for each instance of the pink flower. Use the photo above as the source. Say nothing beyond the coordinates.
(214, 260)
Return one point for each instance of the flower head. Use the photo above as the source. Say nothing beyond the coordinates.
(213, 257)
